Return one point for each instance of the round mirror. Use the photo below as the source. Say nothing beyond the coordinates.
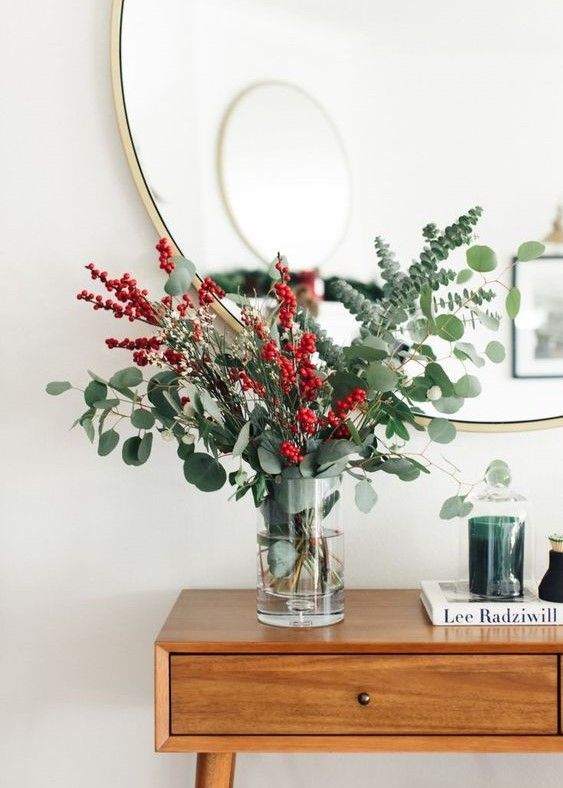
(433, 117)
(284, 174)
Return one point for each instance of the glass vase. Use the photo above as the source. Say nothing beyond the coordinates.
(300, 554)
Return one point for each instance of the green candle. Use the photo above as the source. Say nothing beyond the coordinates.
(496, 556)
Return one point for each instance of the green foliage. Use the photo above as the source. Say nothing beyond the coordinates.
(181, 277)
(449, 327)
(495, 351)
(281, 558)
(269, 462)
(468, 386)
(94, 391)
(125, 378)
(465, 351)
(530, 250)
(107, 443)
(456, 506)
(328, 350)
(204, 471)
(365, 496)
(464, 276)
(242, 440)
(448, 405)
(380, 377)
(244, 398)
(481, 258)
(57, 387)
(130, 451)
(441, 431)
(513, 302)
(142, 419)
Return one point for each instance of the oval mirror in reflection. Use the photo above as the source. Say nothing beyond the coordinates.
(284, 174)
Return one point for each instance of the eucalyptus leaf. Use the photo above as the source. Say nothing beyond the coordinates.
(456, 506)
(401, 467)
(142, 419)
(449, 327)
(296, 496)
(204, 471)
(95, 376)
(211, 407)
(381, 377)
(426, 298)
(95, 391)
(269, 462)
(530, 250)
(106, 404)
(107, 443)
(332, 450)
(145, 446)
(439, 378)
(281, 558)
(489, 321)
(427, 351)
(332, 470)
(464, 276)
(468, 386)
(448, 405)
(418, 329)
(365, 496)
(513, 299)
(242, 440)
(441, 431)
(465, 350)
(481, 258)
(495, 351)
(57, 387)
(184, 450)
(364, 352)
(376, 342)
(181, 277)
(161, 383)
(307, 465)
(125, 378)
(130, 451)
(88, 429)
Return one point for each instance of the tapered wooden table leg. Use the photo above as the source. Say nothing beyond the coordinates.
(215, 770)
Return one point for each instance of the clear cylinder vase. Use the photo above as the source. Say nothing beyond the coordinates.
(300, 554)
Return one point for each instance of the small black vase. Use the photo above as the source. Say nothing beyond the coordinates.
(551, 587)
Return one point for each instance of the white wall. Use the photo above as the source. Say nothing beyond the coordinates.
(92, 554)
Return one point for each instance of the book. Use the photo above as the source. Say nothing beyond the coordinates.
(448, 603)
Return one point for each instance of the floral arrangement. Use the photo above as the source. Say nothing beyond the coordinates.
(280, 398)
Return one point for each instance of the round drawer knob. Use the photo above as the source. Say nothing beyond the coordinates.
(363, 698)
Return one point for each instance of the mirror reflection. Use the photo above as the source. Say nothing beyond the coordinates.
(311, 127)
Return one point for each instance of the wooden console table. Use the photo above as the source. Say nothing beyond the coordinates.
(382, 680)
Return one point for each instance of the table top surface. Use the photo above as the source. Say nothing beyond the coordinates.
(376, 621)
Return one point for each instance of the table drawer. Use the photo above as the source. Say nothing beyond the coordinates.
(471, 694)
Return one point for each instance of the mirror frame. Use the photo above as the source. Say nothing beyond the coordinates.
(160, 225)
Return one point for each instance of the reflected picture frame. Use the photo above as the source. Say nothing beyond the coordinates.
(537, 331)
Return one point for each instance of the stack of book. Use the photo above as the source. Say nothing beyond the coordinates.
(450, 604)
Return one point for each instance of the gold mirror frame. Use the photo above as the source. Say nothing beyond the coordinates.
(161, 228)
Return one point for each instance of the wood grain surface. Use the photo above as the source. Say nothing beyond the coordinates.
(408, 694)
(377, 621)
(215, 770)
